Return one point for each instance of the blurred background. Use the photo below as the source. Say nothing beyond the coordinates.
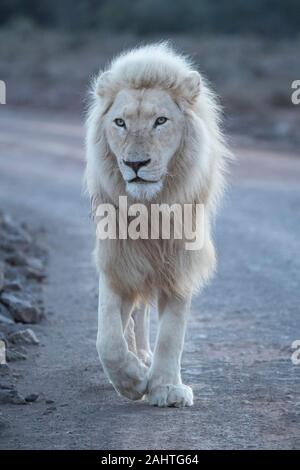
(249, 51)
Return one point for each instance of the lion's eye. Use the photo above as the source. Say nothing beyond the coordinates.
(120, 122)
(160, 121)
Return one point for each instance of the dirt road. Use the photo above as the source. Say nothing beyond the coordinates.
(238, 346)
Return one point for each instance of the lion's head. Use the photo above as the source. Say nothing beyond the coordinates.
(144, 130)
(153, 120)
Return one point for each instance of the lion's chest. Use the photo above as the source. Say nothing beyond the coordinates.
(140, 265)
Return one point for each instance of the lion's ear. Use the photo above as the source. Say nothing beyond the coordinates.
(191, 86)
(103, 84)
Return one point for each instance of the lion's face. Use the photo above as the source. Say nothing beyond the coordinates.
(144, 129)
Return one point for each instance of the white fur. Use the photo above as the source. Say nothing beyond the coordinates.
(187, 161)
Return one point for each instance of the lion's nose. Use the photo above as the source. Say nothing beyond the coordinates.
(135, 166)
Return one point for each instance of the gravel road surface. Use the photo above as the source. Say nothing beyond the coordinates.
(238, 347)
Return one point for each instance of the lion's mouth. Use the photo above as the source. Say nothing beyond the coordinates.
(138, 179)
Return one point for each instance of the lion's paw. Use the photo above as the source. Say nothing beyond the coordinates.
(171, 395)
(131, 379)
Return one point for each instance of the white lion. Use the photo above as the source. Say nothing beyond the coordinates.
(153, 135)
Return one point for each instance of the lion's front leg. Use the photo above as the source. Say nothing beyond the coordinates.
(165, 387)
(141, 317)
(125, 371)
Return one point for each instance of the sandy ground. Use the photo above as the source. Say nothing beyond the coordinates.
(238, 346)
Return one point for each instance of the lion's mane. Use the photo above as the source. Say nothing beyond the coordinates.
(196, 174)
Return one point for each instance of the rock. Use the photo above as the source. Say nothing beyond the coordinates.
(33, 268)
(15, 230)
(2, 350)
(20, 259)
(4, 329)
(21, 310)
(32, 397)
(14, 355)
(36, 274)
(6, 320)
(5, 316)
(11, 273)
(23, 337)
(16, 259)
(11, 395)
(35, 263)
(4, 310)
(14, 286)
(6, 246)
